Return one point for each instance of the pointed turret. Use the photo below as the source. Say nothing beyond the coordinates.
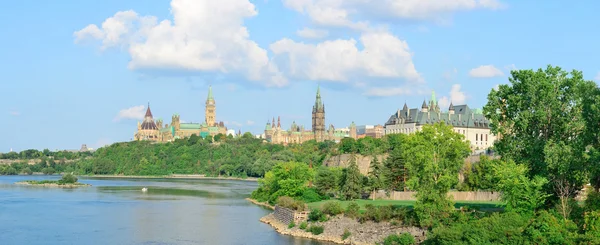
(318, 101)
(433, 100)
(405, 107)
(148, 123)
(424, 107)
(148, 112)
(278, 121)
(273, 123)
(210, 94)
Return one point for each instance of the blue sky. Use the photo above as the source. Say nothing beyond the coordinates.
(81, 72)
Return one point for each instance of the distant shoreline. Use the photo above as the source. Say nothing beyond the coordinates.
(173, 176)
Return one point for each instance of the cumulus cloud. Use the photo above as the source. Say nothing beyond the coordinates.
(456, 96)
(383, 55)
(312, 33)
(135, 112)
(210, 37)
(348, 13)
(204, 36)
(249, 122)
(485, 71)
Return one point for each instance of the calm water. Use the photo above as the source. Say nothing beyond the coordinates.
(116, 211)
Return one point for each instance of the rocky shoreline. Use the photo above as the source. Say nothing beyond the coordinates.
(361, 234)
(55, 185)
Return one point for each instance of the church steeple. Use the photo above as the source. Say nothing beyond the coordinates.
(318, 118)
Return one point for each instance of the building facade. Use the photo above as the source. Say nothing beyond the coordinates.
(152, 130)
(466, 121)
(297, 134)
(374, 131)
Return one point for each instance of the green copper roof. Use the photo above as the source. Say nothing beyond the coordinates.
(268, 127)
(213, 129)
(210, 94)
(189, 126)
(433, 98)
(318, 102)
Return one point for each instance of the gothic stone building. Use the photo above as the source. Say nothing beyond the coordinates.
(470, 123)
(155, 131)
(274, 133)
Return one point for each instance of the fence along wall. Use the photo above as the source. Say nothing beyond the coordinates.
(286, 215)
(456, 195)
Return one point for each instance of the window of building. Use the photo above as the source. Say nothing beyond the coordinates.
(476, 138)
(486, 137)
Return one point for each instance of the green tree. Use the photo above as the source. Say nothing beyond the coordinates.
(396, 170)
(520, 193)
(285, 179)
(326, 181)
(543, 124)
(376, 176)
(353, 181)
(348, 145)
(434, 157)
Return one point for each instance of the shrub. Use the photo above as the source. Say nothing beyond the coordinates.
(346, 234)
(48, 171)
(27, 171)
(315, 215)
(68, 179)
(288, 202)
(311, 195)
(353, 210)
(291, 225)
(403, 239)
(316, 229)
(303, 225)
(332, 208)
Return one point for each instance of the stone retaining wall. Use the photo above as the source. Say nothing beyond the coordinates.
(286, 215)
(456, 195)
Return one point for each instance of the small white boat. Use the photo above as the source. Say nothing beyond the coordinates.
(144, 189)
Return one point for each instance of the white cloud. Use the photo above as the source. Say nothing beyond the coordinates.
(204, 36)
(249, 122)
(347, 13)
(383, 55)
(135, 112)
(457, 97)
(486, 71)
(312, 33)
(597, 77)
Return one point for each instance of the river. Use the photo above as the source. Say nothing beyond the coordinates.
(116, 211)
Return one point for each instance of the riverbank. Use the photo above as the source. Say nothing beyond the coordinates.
(172, 176)
(52, 184)
(360, 234)
(262, 204)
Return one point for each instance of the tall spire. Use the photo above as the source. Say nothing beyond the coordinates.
(278, 121)
(433, 101)
(210, 94)
(318, 102)
(148, 112)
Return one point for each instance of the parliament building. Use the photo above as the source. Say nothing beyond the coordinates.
(297, 134)
(152, 130)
